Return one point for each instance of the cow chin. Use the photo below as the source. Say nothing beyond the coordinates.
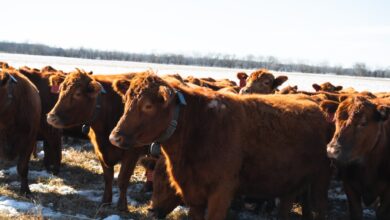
(57, 122)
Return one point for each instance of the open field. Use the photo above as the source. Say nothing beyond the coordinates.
(76, 192)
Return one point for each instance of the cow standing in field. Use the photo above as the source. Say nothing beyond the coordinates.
(361, 146)
(262, 82)
(20, 111)
(270, 146)
(90, 100)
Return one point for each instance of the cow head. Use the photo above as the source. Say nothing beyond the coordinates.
(327, 87)
(77, 99)
(358, 126)
(147, 113)
(262, 82)
(289, 90)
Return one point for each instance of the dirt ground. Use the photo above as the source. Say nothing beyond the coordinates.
(76, 192)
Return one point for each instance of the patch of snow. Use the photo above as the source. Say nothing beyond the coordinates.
(63, 190)
(11, 207)
(33, 174)
(92, 195)
(112, 217)
(41, 154)
(368, 213)
(213, 104)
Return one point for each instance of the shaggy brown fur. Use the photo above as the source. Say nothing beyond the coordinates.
(20, 111)
(361, 145)
(262, 82)
(271, 146)
(327, 87)
(77, 104)
(289, 90)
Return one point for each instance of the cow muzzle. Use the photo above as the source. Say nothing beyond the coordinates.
(334, 150)
(119, 140)
(54, 120)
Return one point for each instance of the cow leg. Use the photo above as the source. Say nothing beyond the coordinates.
(286, 203)
(22, 167)
(354, 202)
(52, 149)
(197, 212)
(383, 211)
(219, 202)
(306, 204)
(127, 168)
(108, 173)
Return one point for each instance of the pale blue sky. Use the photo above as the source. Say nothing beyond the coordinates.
(336, 32)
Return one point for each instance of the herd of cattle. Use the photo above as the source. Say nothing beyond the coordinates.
(213, 141)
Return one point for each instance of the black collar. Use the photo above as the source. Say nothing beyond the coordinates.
(85, 128)
(156, 145)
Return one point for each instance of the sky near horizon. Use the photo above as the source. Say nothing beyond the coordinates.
(335, 32)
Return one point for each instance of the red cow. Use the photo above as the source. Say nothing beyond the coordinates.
(270, 146)
(20, 111)
(361, 146)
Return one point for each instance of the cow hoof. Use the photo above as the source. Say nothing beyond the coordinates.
(26, 193)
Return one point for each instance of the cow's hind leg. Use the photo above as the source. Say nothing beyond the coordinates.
(219, 202)
(26, 148)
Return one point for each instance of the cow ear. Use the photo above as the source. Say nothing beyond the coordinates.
(316, 87)
(329, 107)
(4, 78)
(384, 112)
(90, 73)
(121, 86)
(166, 93)
(56, 79)
(94, 88)
(338, 88)
(279, 81)
(242, 75)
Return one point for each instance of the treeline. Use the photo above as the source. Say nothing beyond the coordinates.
(213, 60)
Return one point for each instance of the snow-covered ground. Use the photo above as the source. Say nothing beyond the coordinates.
(303, 80)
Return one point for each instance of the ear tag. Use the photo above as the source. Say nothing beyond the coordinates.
(13, 78)
(182, 100)
(85, 129)
(102, 90)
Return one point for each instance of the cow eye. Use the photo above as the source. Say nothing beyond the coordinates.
(147, 107)
(77, 95)
(266, 83)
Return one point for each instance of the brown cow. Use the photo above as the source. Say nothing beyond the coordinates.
(270, 146)
(210, 82)
(20, 111)
(327, 87)
(90, 100)
(289, 90)
(361, 145)
(50, 135)
(262, 82)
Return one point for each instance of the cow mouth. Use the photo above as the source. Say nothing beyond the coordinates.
(55, 121)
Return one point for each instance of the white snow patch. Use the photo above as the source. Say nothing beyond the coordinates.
(11, 207)
(92, 195)
(63, 190)
(112, 217)
(181, 209)
(369, 213)
(33, 174)
(41, 154)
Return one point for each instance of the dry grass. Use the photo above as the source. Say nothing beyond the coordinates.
(81, 171)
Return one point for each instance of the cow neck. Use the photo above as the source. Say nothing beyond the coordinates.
(10, 96)
(86, 127)
(155, 147)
